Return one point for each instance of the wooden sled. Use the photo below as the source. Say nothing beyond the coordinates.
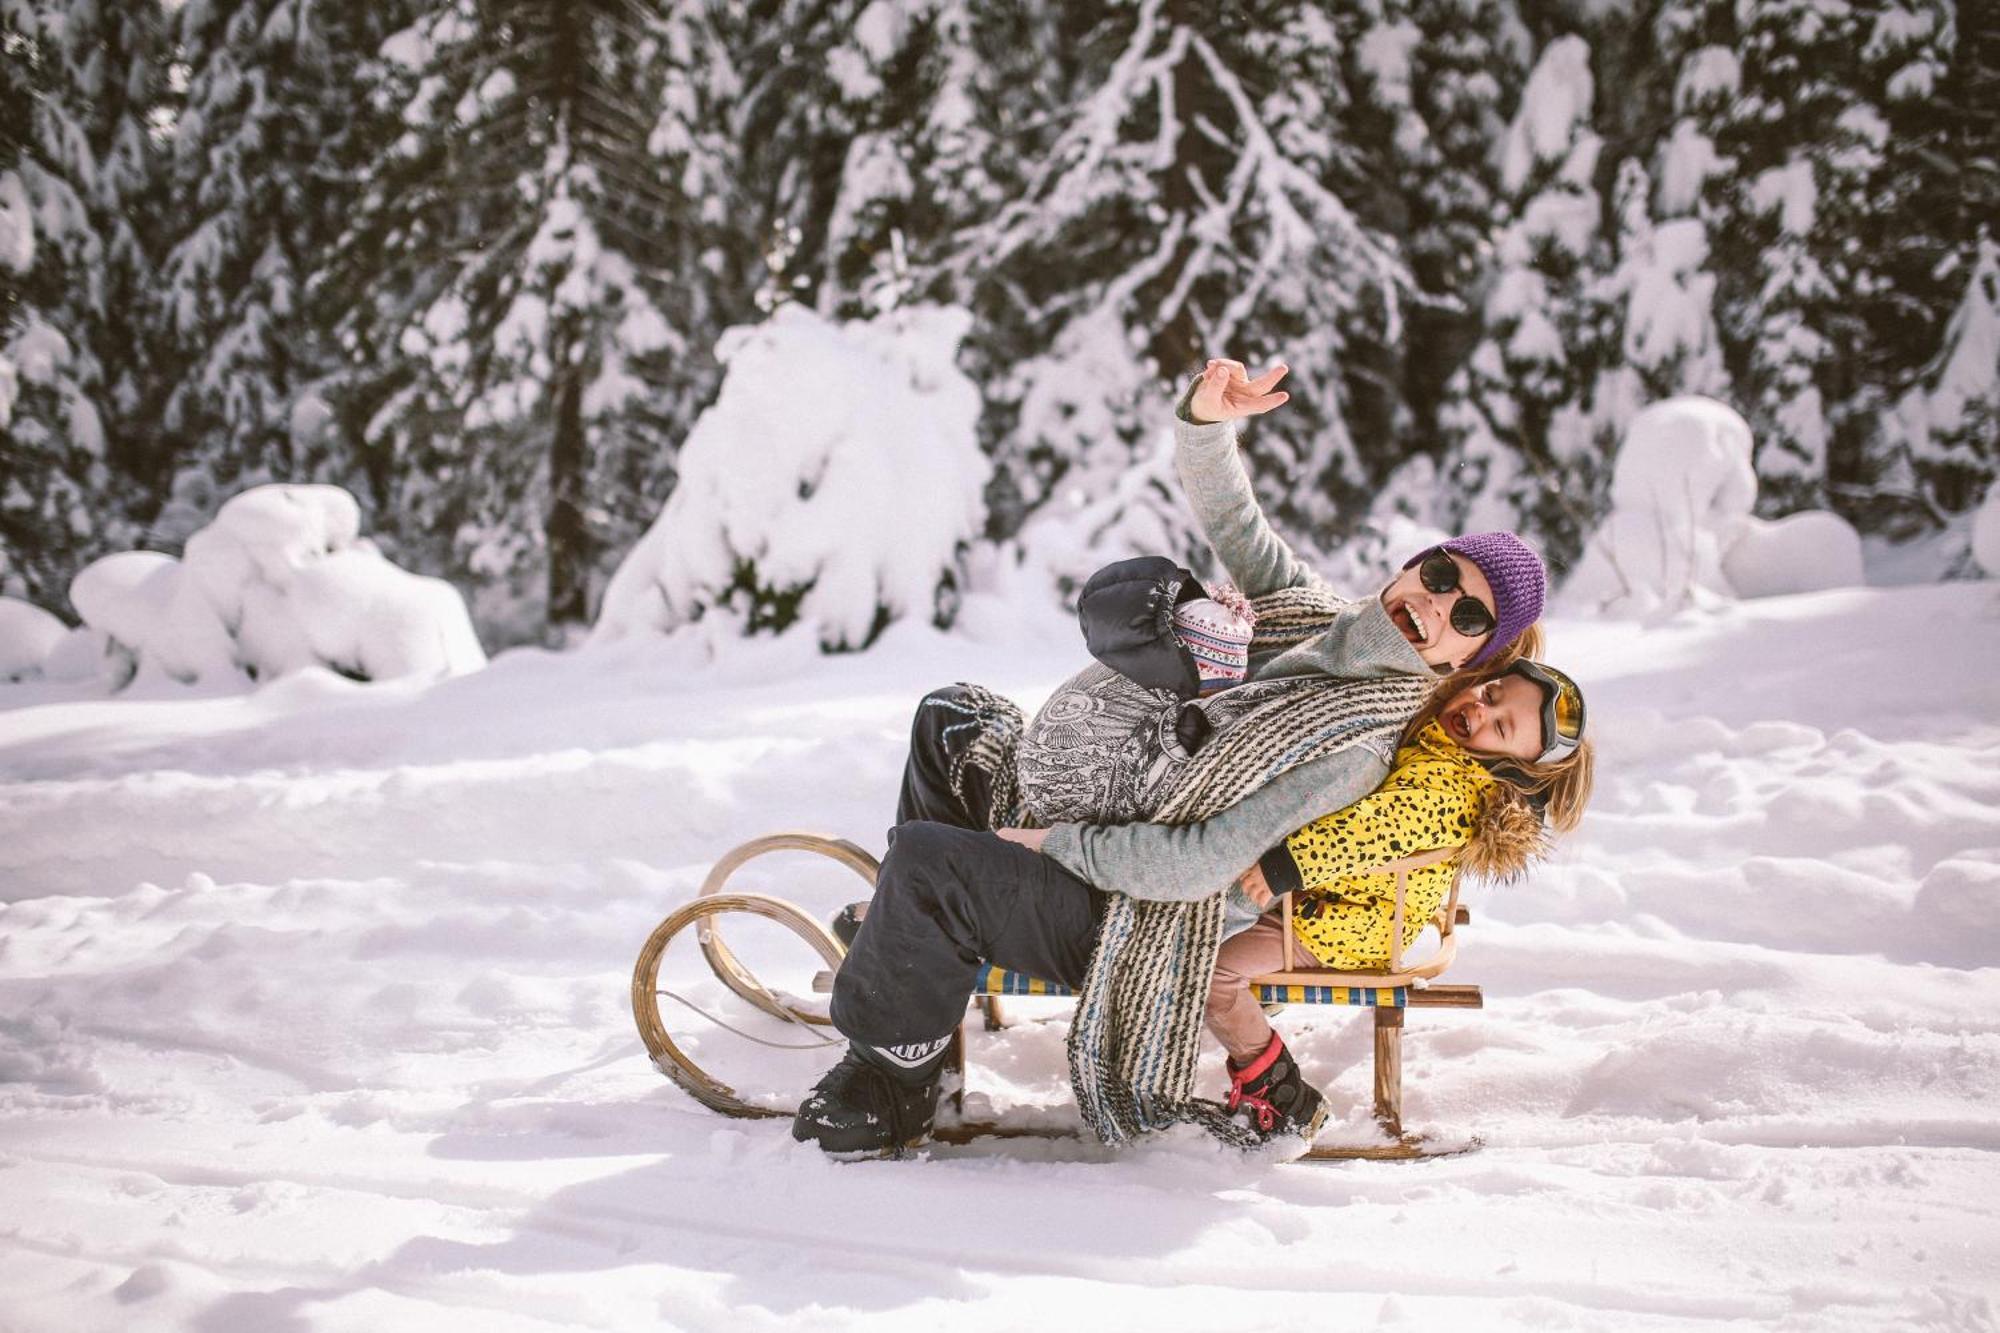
(1402, 986)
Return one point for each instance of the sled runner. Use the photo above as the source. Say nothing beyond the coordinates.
(1388, 994)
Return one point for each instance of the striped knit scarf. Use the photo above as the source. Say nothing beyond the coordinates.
(1138, 1024)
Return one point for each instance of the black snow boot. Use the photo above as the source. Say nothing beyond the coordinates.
(874, 1099)
(1272, 1095)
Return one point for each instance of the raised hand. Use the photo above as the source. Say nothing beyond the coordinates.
(1227, 392)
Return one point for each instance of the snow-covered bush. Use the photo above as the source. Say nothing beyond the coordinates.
(834, 482)
(1681, 487)
(28, 635)
(1104, 513)
(280, 580)
(1800, 552)
(1681, 526)
(1986, 533)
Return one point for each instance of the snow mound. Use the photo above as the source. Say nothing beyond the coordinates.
(1681, 530)
(28, 635)
(280, 581)
(835, 483)
(1690, 455)
(1803, 552)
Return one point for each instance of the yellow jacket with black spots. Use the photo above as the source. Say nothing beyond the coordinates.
(1437, 795)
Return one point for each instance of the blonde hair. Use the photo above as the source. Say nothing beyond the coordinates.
(1565, 783)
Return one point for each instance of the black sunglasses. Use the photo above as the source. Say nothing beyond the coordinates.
(1469, 615)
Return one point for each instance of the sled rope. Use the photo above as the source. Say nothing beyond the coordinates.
(790, 1017)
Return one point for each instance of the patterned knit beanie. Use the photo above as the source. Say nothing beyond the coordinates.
(1518, 579)
(1217, 638)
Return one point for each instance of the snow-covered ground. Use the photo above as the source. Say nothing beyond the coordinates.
(316, 1015)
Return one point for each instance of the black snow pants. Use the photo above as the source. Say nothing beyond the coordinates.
(954, 897)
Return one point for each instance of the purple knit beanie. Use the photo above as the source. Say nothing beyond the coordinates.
(1518, 579)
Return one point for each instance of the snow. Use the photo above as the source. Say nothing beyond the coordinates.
(39, 352)
(1687, 162)
(1681, 487)
(1385, 53)
(279, 582)
(28, 634)
(1556, 101)
(1896, 27)
(1691, 454)
(316, 1014)
(1971, 372)
(1711, 72)
(1918, 79)
(1567, 219)
(1681, 531)
(869, 481)
(1986, 533)
(17, 224)
(1803, 552)
(874, 172)
(1670, 297)
(1790, 191)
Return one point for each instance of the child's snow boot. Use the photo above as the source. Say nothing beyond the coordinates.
(874, 1099)
(1272, 1095)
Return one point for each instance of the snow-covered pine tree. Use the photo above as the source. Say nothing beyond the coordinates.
(78, 444)
(1671, 77)
(1434, 81)
(1926, 242)
(521, 291)
(1188, 204)
(1532, 414)
(1804, 143)
(1950, 420)
(836, 159)
(903, 125)
(262, 158)
(1666, 302)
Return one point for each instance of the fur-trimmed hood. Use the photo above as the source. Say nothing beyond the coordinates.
(1507, 834)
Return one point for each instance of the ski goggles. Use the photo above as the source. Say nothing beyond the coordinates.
(1562, 709)
(1469, 616)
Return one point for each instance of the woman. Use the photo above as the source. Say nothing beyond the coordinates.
(1490, 768)
(1330, 684)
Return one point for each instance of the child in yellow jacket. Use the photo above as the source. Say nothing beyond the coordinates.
(1487, 768)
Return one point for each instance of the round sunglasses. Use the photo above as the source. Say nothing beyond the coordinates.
(1469, 616)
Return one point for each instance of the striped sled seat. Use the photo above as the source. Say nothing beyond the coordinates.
(1402, 985)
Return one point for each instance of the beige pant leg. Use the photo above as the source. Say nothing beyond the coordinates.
(1233, 1015)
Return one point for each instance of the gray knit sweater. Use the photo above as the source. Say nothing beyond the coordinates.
(1191, 861)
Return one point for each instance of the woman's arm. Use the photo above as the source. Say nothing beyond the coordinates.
(1218, 488)
(1187, 862)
